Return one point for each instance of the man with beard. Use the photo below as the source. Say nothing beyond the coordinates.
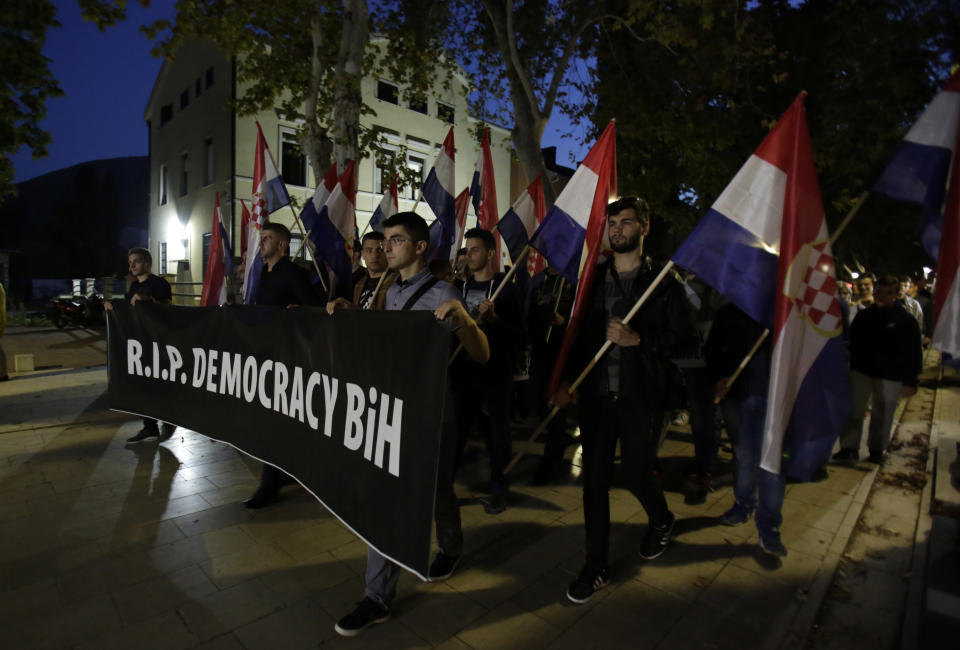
(622, 397)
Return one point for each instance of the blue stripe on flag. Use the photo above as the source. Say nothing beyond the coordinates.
(560, 240)
(733, 261)
(276, 194)
(513, 232)
(443, 204)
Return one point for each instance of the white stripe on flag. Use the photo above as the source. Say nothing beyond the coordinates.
(576, 199)
(946, 334)
(754, 200)
(937, 127)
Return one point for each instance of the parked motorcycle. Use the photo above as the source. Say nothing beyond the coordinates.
(77, 310)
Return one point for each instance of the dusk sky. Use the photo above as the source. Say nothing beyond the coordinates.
(107, 77)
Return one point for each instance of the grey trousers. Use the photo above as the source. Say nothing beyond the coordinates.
(886, 394)
(382, 574)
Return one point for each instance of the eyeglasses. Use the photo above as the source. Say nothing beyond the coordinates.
(390, 242)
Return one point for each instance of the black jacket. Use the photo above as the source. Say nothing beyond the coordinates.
(885, 344)
(505, 334)
(664, 324)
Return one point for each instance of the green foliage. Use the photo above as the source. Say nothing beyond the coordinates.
(695, 85)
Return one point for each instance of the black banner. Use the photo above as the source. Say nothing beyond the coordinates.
(349, 405)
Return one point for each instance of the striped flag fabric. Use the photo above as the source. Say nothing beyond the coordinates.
(438, 192)
(215, 278)
(483, 191)
(917, 172)
(462, 203)
(517, 226)
(571, 235)
(764, 245)
(924, 170)
(389, 206)
(334, 230)
(310, 211)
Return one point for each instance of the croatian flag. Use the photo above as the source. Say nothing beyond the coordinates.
(918, 171)
(310, 211)
(462, 203)
(571, 234)
(483, 190)
(438, 192)
(214, 280)
(269, 195)
(764, 245)
(334, 229)
(389, 206)
(522, 220)
(924, 169)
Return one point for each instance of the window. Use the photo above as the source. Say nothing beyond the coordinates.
(296, 241)
(293, 164)
(163, 258)
(418, 105)
(166, 113)
(207, 239)
(388, 92)
(198, 87)
(183, 174)
(184, 99)
(381, 181)
(163, 185)
(209, 76)
(208, 170)
(416, 163)
(445, 112)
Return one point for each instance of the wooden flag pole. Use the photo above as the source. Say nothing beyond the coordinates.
(556, 305)
(746, 360)
(296, 218)
(503, 283)
(847, 219)
(603, 350)
(383, 276)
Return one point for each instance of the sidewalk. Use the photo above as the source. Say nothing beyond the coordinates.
(105, 546)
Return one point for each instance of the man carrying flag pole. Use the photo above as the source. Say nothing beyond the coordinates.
(769, 223)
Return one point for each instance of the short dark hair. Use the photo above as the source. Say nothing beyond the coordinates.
(373, 234)
(412, 223)
(462, 251)
(281, 230)
(888, 281)
(140, 251)
(485, 236)
(635, 203)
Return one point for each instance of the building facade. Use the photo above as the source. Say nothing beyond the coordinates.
(199, 147)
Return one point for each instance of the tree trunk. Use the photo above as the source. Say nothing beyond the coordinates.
(348, 99)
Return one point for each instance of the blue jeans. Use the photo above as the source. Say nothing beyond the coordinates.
(752, 481)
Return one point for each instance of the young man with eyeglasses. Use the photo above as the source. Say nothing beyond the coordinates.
(405, 242)
(622, 397)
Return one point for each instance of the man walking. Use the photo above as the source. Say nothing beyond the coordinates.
(406, 238)
(885, 360)
(283, 284)
(622, 397)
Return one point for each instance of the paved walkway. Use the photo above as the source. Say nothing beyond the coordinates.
(103, 546)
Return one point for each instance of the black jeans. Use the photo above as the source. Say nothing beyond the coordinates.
(604, 420)
(478, 394)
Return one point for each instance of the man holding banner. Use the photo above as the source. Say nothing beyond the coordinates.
(406, 238)
(621, 398)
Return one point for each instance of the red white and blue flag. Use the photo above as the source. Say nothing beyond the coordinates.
(438, 192)
(571, 235)
(310, 211)
(764, 245)
(924, 170)
(483, 191)
(918, 171)
(389, 206)
(214, 279)
(521, 221)
(334, 229)
(462, 203)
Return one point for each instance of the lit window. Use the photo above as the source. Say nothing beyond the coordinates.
(416, 163)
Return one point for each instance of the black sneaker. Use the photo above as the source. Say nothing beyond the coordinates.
(368, 612)
(261, 499)
(877, 457)
(656, 540)
(846, 456)
(145, 434)
(771, 544)
(590, 580)
(494, 504)
(443, 567)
